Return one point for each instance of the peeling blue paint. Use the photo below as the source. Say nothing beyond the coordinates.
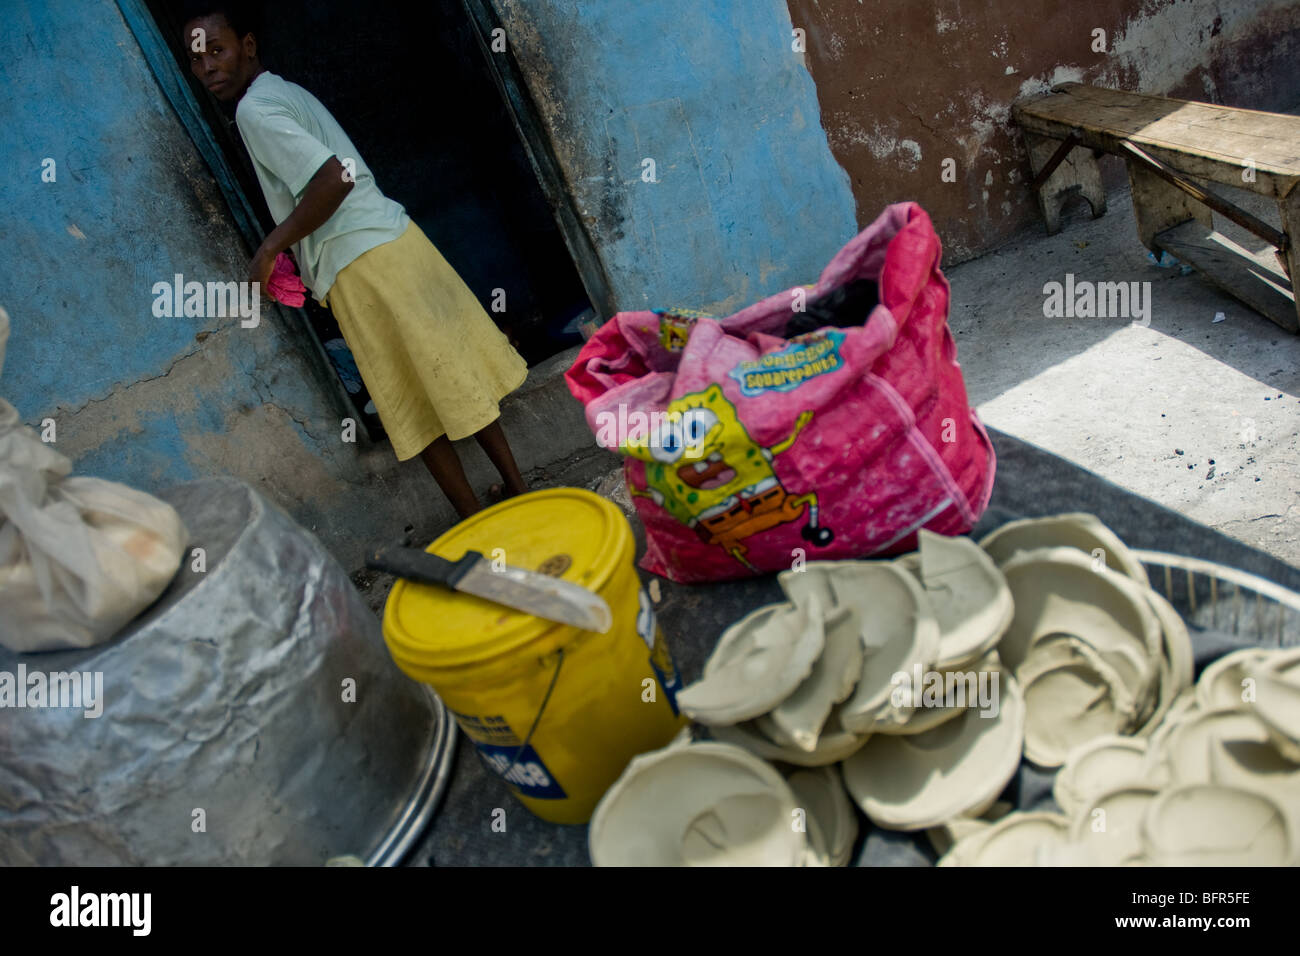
(144, 459)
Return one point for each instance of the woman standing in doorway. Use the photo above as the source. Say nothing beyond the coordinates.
(434, 363)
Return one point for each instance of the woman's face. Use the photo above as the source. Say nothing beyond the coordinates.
(221, 61)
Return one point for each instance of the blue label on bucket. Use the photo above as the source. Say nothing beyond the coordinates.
(524, 769)
(661, 660)
(671, 683)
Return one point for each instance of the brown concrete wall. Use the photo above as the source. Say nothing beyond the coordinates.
(904, 84)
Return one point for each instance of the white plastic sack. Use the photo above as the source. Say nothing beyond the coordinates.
(79, 557)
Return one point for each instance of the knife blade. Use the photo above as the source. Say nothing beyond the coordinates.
(529, 591)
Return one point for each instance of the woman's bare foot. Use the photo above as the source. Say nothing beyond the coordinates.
(493, 442)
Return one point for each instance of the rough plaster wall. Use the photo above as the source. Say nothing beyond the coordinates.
(144, 400)
(904, 85)
(749, 199)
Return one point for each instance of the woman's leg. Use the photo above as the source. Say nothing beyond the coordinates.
(493, 442)
(444, 464)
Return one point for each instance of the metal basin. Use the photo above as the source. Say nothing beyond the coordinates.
(251, 716)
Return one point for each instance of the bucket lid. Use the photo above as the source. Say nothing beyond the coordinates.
(569, 533)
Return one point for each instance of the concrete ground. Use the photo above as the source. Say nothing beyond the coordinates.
(1198, 415)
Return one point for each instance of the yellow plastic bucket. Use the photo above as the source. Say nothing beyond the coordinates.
(556, 711)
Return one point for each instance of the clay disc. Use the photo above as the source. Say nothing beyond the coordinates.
(832, 822)
(1069, 701)
(1222, 683)
(758, 662)
(919, 781)
(1058, 591)
(1097, 766)
(1211, 825)
(709, 804)
(1015, 840)
(1076, 530)
(833, 745)
(1108, 825)
(967, 592)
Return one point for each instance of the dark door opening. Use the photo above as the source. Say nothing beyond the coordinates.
(411, 87)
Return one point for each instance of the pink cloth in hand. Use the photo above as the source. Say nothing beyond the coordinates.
(284, 284)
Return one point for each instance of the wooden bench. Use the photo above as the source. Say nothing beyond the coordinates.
(1168, 145)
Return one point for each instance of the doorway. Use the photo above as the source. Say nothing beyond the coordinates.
(414, 91)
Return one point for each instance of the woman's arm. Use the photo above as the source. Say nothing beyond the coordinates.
(324, 194)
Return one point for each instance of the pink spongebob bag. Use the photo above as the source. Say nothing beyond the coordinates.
(747, 450)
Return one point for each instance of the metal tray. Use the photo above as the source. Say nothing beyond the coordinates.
(226, 696)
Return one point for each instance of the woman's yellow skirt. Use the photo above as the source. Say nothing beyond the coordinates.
(432, 359)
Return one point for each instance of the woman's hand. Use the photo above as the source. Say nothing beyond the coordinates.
(324, 194)
(260, 268)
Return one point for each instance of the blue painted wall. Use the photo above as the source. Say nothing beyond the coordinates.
(84, 250)
(749, 199)
(135, 398)
(131, 205)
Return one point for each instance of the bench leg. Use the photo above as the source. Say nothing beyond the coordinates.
(1289, 207)
(1158, 206)
(1077, 174)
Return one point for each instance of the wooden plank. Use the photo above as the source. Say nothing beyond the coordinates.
(1225, 170)
(1254, 278)
(1203, 140)
(1188, 123)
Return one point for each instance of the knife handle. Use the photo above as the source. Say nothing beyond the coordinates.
(422, 566)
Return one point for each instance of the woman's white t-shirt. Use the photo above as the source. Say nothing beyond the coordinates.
(290, 135)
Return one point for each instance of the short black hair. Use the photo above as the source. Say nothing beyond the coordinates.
(243, 16)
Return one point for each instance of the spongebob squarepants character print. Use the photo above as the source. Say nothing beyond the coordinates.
(704, 469)
(675, 326)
